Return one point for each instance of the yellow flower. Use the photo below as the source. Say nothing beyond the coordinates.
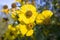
(40, 18)
(25, 31)
(18, 32)
(47, 13)
(27, 20)
(30, 26)
(13, 37)
(18, 29)
(28, 14)
(10, 27)
(18, 26)
(5, 11)
(18, 11)
(28, 7)
(30, 33)
(13, 15)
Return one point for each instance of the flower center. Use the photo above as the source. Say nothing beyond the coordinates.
(28, 14)
(30, 26)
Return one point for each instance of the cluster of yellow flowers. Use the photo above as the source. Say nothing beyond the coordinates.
(46, 14)
(28, 17)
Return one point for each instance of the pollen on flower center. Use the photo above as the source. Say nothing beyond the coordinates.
(28, 14)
